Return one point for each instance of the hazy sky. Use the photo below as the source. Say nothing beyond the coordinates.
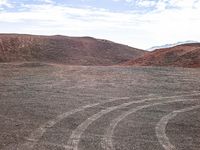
(138, 23)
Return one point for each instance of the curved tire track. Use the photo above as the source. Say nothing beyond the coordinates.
(38, 133)
(74, 139)
(161, 127)
(107, 140)
(76, 134)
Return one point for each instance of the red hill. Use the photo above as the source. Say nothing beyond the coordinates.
(185, 55)
(65, 50)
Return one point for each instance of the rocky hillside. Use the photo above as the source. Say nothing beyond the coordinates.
(185, 55)
(65, 50)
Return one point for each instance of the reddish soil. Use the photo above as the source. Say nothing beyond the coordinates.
(64, 50)
(186, 55)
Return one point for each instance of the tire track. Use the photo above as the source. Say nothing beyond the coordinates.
(161, 127)
(74, 139)
(38, 133)
(107, 140)
(76, 134)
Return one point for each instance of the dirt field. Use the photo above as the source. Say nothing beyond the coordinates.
(55, 107)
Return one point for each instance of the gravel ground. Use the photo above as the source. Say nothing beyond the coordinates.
(57, 107)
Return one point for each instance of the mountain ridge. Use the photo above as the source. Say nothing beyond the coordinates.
(171, 45)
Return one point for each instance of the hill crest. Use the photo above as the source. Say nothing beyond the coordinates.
(64, 50)
(185, 55)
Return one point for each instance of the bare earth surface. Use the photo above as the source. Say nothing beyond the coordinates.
(57, 107)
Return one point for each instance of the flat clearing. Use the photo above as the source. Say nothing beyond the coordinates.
(57, 107)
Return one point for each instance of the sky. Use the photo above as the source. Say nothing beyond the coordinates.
(137, 23)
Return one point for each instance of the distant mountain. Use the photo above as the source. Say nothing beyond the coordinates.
(65, 50)
(185, 55)
(170, 45)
